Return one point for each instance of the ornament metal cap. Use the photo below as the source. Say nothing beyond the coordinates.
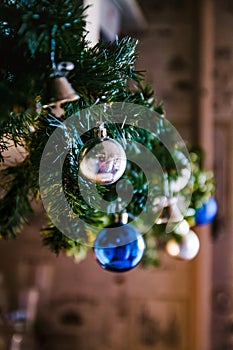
(121, 217)
(59, 91)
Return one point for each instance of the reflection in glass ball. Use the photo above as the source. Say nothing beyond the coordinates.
(187, 249)
(119, 247)
(102, 161)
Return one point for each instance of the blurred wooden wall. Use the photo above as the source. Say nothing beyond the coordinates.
(187, 51)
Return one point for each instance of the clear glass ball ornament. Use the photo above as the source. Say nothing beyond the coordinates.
(119, 247)
(102, 160)
(186, 249)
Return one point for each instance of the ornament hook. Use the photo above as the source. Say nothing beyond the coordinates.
(59, 90)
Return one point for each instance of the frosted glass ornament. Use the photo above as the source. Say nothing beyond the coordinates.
(186, 249)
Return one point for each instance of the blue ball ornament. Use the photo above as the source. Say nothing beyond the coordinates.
(119, 247)
(206, 213)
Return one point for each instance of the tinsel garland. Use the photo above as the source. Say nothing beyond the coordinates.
(104, 73)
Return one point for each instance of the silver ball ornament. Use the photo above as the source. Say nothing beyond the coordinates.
(102, 160)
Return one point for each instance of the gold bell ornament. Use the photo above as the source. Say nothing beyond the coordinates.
(59, 89)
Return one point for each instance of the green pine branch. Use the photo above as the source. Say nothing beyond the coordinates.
(104, 73)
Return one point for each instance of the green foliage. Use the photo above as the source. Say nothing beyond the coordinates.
(26, 30)
(58, 242)
(203, 181)
(103, 73)
(15, 206)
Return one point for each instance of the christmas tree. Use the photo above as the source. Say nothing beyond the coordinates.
(99, 99)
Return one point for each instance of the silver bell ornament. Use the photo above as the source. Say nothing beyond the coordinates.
(170, 211)
(183, 164)
(102, 160)
(186, 249)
